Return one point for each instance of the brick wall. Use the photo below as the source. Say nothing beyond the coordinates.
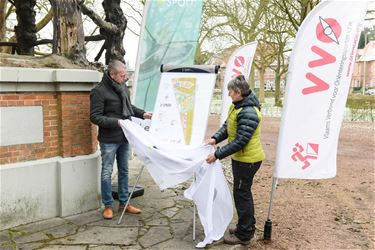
(66, 126)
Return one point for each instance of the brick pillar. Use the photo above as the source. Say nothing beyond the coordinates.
(46, 113)
(76, 134)
(67, 130)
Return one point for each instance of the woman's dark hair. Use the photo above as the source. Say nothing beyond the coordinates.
(239, 85)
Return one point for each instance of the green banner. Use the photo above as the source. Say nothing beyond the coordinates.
(170, 36)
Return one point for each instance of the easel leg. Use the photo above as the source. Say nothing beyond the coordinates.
(130, 195)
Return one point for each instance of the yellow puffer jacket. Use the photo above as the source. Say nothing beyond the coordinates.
(242, 128)
(253, 151)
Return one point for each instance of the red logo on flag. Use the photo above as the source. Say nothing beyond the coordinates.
(327, 30)
(312, 151)
(239, 63)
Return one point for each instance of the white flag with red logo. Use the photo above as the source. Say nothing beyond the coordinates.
(239, 63)
(320, 71)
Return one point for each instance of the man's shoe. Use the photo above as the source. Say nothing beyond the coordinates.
(233, 240)
(232, 229)
(108, 213)
(130, 209)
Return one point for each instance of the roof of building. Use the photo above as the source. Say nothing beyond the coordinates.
(367, 53)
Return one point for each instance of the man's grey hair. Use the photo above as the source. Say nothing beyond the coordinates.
(239, 85)
(114, 66)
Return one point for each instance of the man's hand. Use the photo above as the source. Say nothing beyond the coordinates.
(118, 122)
(210, 141)
(211, 158)
(147, 115)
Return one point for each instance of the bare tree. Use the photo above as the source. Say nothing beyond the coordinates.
(279, 29)
(228, 24)
(3, 12)
(114, 45)
(25, 29)
(264, 56)
(112, 29)
(295, 10)
(68, 38)
(68, 30)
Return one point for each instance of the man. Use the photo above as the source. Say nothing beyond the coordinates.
(110, 103)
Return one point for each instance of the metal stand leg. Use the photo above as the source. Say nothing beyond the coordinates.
(194, 212)
(194, 221)
(130, 195)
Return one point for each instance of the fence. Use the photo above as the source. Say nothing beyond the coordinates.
(270, 110)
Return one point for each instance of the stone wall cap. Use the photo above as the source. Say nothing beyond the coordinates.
(40, 75)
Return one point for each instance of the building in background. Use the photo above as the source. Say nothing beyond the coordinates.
(364, 68)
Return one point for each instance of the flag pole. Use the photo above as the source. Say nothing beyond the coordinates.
(268, 224)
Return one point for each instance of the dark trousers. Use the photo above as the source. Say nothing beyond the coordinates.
(243, 174)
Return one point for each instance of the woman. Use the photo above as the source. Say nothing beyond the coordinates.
(242, 129)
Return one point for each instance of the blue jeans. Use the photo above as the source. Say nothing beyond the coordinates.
(108, 153)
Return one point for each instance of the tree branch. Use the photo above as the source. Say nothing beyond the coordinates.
(131, 6)
(43, 41)
(46, 19)
(47, 41)
(135, 33)
(9, 11)
(107, 26)
(9, 44)
(100, 52)
(94, 38)
(135, 20)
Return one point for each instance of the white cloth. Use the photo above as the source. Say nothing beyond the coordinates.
(211, 194)
(169, 165)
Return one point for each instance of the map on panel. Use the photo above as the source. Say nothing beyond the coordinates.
(184, 89)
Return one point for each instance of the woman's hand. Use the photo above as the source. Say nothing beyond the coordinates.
(211, 158)
(210, 141)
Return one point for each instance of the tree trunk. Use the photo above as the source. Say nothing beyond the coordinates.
(252, 78)
(68, 36)
(262, 71)
(114, 43)
(3, 11)
(25, 29)
(277, 87)
(277, 78)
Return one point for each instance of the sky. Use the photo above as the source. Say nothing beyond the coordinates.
(133, 11)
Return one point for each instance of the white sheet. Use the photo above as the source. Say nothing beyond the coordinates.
(170, 165)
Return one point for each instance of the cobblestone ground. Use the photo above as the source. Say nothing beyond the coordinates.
(325, 214)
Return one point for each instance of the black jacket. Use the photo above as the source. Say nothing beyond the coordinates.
(247, 123)
(106, 108)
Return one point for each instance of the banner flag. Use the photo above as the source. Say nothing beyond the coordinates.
(182, 107)
(318, 82)
(239, 63)
(169, 36)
